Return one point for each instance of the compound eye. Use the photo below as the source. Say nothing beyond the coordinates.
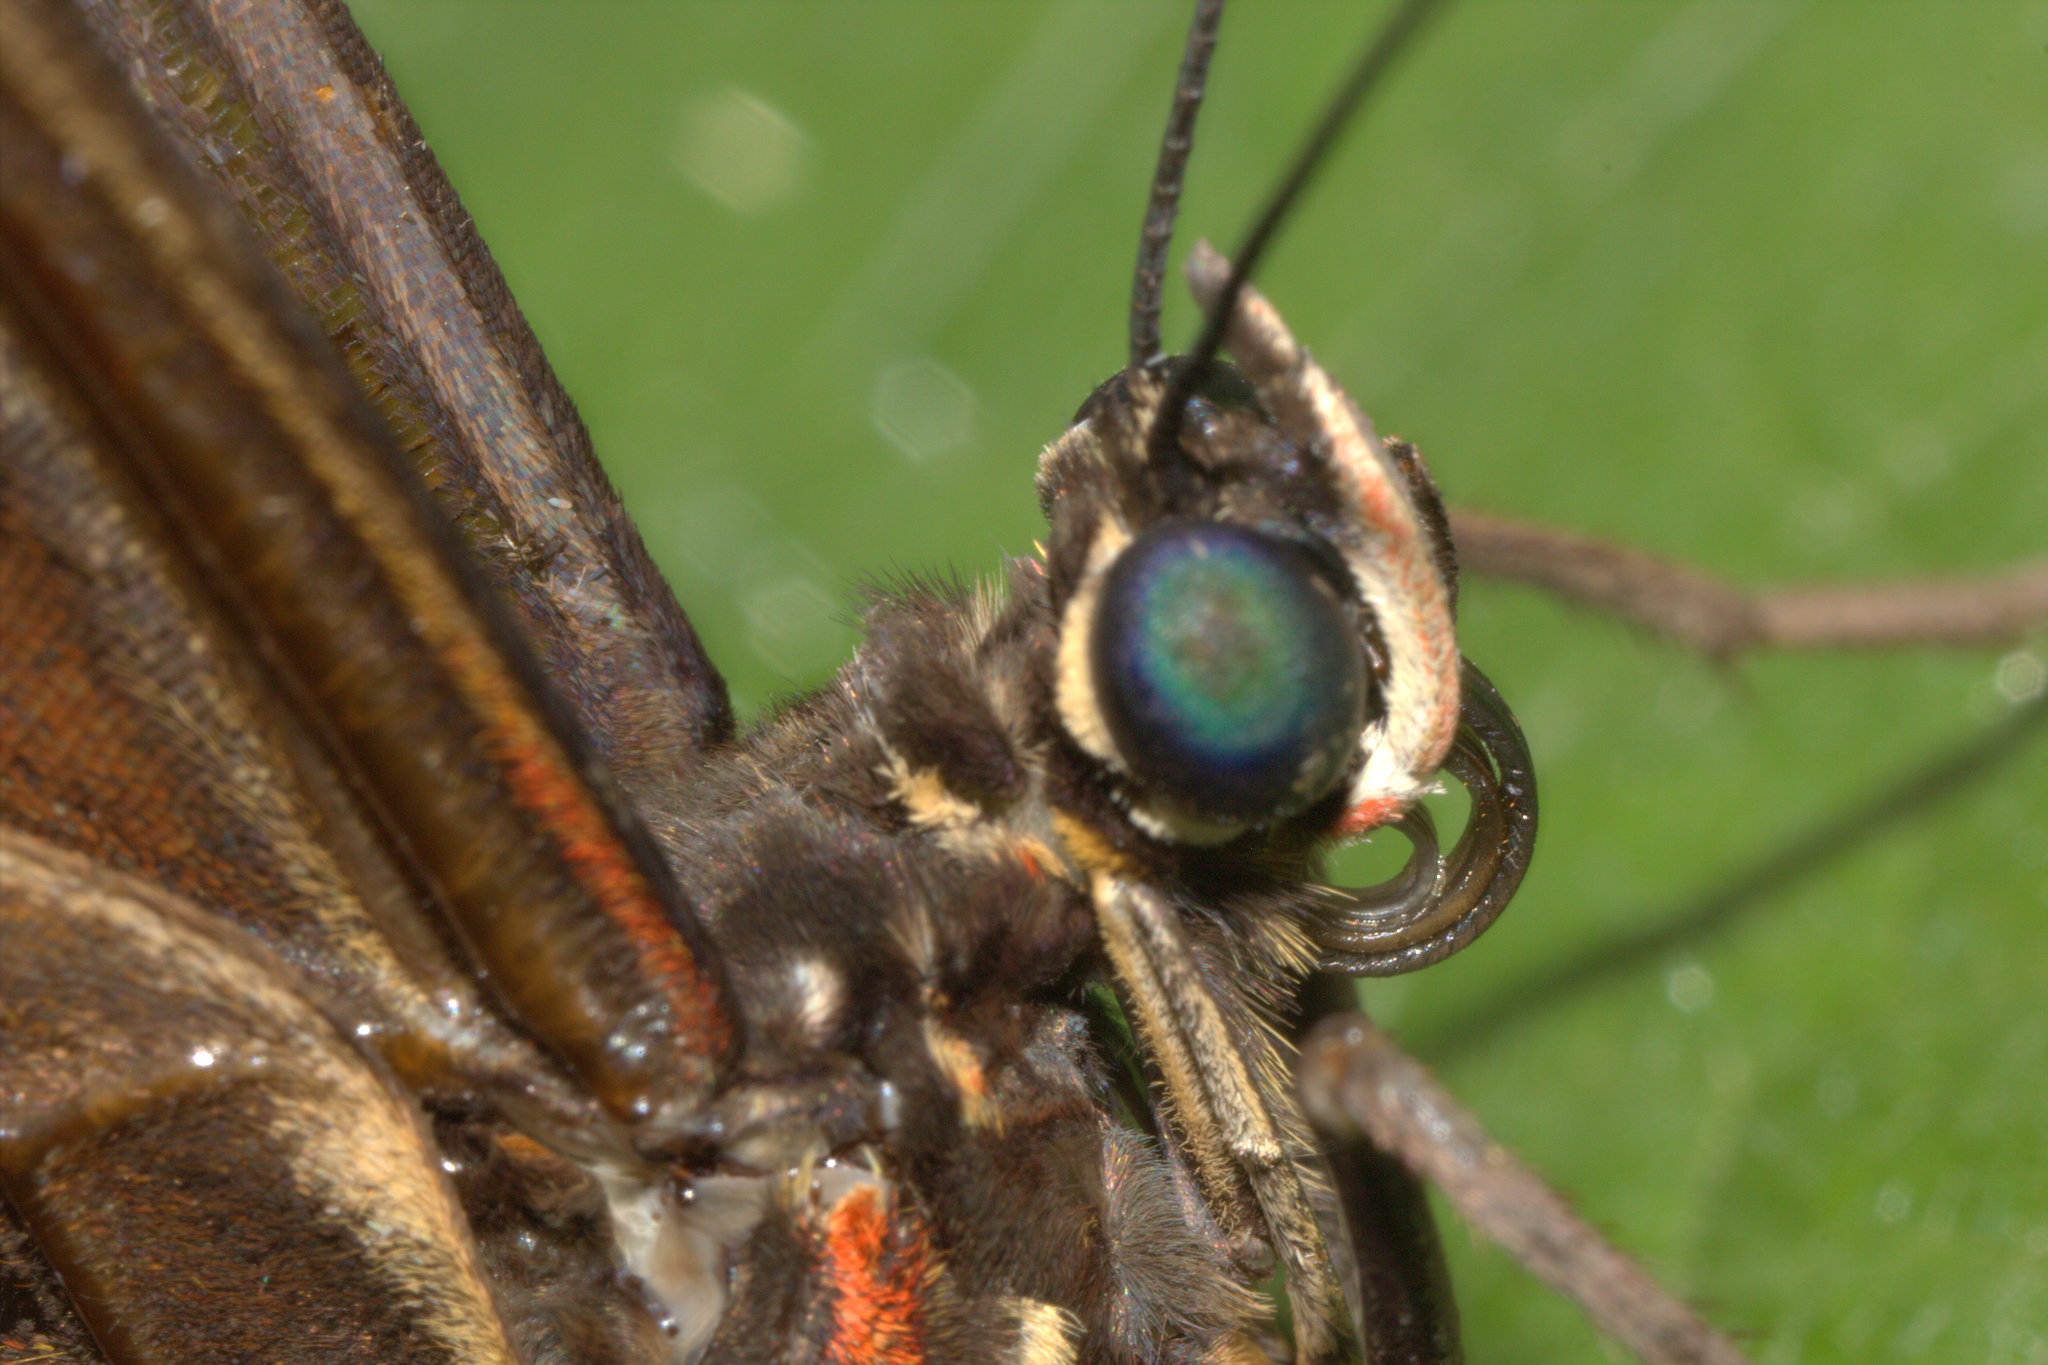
(1228, 671)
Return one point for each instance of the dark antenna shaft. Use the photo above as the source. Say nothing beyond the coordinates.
(1156, 236)
(1379, 57)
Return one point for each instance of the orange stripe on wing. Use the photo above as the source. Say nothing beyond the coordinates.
(591, 848)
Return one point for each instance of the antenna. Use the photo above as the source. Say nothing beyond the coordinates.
(1366, 77)
(1156, 236)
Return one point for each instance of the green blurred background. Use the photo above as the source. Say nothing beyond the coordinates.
(1760, 286)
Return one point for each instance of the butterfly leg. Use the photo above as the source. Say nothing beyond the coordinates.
(1721, 619)
(1355, 1080)
(1404, 1295)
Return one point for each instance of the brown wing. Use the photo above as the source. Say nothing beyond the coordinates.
(211, 1166)
(284, 105)
(279, 779)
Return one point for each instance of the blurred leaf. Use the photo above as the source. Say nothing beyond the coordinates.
(1759, 286)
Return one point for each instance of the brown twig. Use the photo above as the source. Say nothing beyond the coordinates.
(1355, 1079)
(1720, 619)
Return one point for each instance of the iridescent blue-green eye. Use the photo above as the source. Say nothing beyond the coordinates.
(1229, 673)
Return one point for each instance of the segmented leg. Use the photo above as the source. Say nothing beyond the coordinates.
(1355, 1080)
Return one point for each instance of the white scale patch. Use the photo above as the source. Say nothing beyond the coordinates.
(817, 993)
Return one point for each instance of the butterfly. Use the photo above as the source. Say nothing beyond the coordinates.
(1677, 987)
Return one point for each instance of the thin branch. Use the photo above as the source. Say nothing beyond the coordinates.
(1355, 1079)
(1720, 619)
